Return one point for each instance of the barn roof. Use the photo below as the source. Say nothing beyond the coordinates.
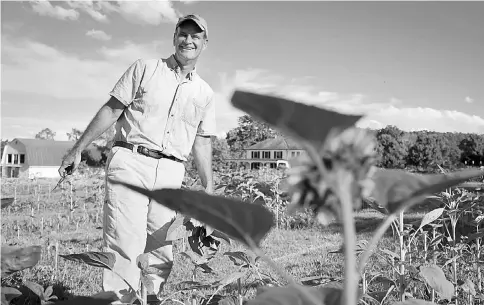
(44, 152)
(277, 143)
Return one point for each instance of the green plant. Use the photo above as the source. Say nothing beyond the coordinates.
(333, 181)
(46, 297)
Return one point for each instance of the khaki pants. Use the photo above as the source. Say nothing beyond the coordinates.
(134, 224)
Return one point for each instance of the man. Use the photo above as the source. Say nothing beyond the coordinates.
(162, 109)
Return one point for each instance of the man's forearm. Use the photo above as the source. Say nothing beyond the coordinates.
(202, 155)
(104, 118)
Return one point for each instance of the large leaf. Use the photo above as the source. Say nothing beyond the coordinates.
(308, 123)
(7, 201)
(97, 259)
(431, 217)
(102, 298)
(290, 295)
(177, 229)
(203, 245)
(35, 288)
(468, 287)
(17, 259)
(248, 223)
(414, 302)
(398, 189)
(435, 278)
(8, 294)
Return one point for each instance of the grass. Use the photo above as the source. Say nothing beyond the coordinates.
(303, 253)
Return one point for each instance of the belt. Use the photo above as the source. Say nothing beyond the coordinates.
(156, 154)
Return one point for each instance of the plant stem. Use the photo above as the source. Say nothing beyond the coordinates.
(343, 189)
(434, 260)
(144, 294)
(402, 258)
(454, 261)
(478, 258)
(239, 288)
(374, 241)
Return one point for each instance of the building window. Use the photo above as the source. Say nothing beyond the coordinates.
(278, 154)
(266, 155)
(256, 155)
(273, 165)
(293, 153)
(15, 159)
(22, 159)
(9, 159)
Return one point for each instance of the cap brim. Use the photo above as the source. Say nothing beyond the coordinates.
(200, 25)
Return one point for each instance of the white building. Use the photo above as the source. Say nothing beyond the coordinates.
(33, 158)
(270, 153)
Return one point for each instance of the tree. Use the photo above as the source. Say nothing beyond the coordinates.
(74, 135)
(220, 152)
(450, 150)
(4, 143)
(45, 134)
(391, 147)
(425, 152)
(247, 133)
(472, 148)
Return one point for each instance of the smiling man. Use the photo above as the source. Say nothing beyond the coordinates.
(163, 110)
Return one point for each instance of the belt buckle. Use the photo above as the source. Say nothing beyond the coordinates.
(135, 148)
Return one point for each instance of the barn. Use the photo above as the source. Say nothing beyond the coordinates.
(33, 158)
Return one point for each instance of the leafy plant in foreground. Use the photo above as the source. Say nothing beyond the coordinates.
(339, 173)
(14, 259)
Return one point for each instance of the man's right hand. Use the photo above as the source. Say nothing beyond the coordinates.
(70, 163)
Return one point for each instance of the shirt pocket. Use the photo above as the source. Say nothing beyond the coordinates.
(193, 112)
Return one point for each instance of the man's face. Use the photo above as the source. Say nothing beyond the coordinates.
(189, 40)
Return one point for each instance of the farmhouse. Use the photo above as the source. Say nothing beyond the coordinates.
(33, 158)
(269, 153)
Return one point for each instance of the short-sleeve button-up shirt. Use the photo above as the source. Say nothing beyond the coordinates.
(163, 111)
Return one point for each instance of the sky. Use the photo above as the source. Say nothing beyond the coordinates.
(415, 65)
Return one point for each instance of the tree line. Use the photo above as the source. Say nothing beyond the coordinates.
(417, 150)
(396, 149)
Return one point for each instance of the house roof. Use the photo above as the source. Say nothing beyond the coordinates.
(276, 143)
(44, 152)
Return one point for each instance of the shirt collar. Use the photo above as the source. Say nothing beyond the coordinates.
(173, 65)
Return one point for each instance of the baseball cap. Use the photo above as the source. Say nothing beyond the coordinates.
(195, 18)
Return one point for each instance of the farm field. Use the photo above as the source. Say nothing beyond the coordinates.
(69, 220)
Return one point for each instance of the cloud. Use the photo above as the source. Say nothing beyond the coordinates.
(469, 100)
(32, 67)
(90, 8)
(98, 34)
(143, 12)
(45, 74)
(152, 12)
(377, 113)
(45, 8)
